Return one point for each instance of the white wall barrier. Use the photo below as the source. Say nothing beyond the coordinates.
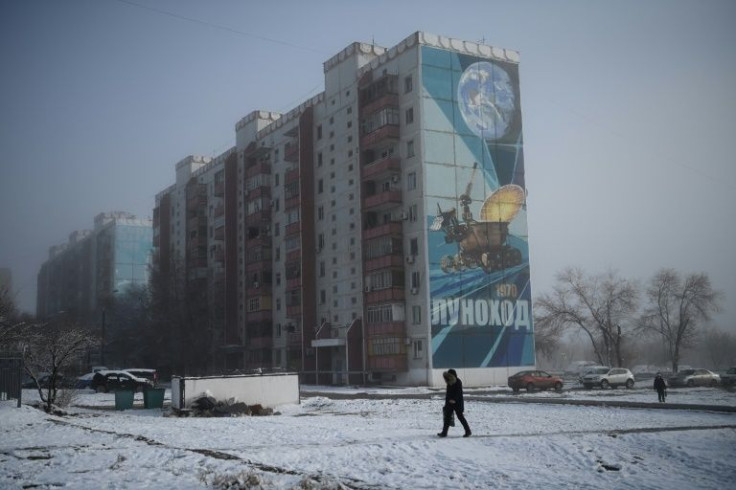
(268, 390)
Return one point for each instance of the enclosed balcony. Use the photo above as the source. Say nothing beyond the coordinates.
(291, 152)
(381, 167)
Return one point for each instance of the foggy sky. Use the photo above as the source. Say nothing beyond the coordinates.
(628, 114)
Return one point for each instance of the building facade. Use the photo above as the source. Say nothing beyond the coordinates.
(375, 233)
(85, 273)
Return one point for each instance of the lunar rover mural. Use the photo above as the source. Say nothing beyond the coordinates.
(475, 199)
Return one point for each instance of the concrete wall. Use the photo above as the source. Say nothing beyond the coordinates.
(269, 390)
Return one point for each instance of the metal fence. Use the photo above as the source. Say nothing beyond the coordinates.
(11, 377)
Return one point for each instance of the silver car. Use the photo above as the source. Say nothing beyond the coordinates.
(606, 377)
(695, 377)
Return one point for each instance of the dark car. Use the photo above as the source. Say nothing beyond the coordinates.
(534, 380)
(118, 380)
(729, 377)
(149, 374)
(694, 377)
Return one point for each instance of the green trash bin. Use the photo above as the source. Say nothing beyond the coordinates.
(123, 399)
(153, 398)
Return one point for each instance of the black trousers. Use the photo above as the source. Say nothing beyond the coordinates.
(449, 408)
(662, 395)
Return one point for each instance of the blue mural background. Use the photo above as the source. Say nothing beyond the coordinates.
(480, 314)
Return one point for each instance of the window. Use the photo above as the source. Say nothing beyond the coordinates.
(320, 213)
(319, 132)
(418, 349)
(409, 115)
(278, 278)
(276, 229)
(319, 159)
(411, 181)
(416, 314)
(322, 268)
(413, 246)
(410, 148)
(413, 213)
(320, 186)
(276, 180)
(322, 296)
(408, 84)
(415, 279)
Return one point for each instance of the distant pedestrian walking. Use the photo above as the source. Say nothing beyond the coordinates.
(661, 386)
(453, 403)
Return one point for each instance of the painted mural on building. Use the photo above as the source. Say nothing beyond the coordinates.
(478, 251)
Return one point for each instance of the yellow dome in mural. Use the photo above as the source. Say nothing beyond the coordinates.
(503, 205)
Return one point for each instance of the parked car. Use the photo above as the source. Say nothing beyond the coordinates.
(729, 377)
(694, 377)
(118, 380)
(85, 381)
(606, 377)
(534, 380)
(149, 374)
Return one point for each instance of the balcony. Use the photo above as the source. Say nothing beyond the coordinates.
(382, 167)
(387, 100)
(380, 135)
(220, 189)
(260, 342)
(382, 200)
(259, 316)
(293, 228)
(294, 257)
(391, 363)
(394, 259)
(395, 293)
(394, 329)
(294, 311)
(291, 152)
(291, 176)
(261, 216)
(260, 191)
(295, 283)
(258, 168)
(391, 229)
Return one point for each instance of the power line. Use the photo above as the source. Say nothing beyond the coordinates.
(219, 26)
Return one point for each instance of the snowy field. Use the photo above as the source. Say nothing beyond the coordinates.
(378, 443)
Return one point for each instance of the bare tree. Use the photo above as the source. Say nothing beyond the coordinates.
(11, 324)
(49, 349)
(677, 308)
(719, 348)
(180, 323)
(602, 306)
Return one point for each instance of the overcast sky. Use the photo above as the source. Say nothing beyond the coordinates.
(629, 114)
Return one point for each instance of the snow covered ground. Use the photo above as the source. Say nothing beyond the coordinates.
(378, 443)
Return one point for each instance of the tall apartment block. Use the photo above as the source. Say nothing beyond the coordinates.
(375, 233)
(94, 265)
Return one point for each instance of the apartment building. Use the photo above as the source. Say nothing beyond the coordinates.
(377, 232)
(94, 265)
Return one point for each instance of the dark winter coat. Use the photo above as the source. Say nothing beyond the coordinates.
(659, 384)
(454, 391)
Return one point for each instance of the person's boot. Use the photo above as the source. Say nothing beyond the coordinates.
(444, 431)
(467, 433)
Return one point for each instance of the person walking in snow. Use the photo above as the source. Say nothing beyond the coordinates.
(453, 403)
(661, 387)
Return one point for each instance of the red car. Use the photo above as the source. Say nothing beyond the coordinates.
(534, 380)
